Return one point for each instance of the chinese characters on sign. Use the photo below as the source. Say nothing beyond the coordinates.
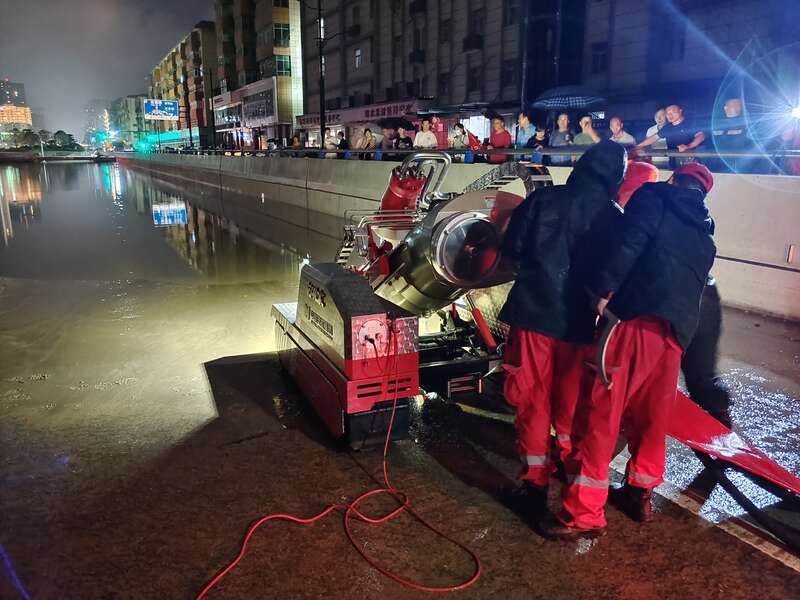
(160, 110)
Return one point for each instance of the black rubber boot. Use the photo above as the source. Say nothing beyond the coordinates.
(526, 499)
(634, 501)
(553, 529)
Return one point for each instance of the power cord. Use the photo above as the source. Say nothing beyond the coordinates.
(351, 509)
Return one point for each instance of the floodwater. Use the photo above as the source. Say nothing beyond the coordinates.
(144, 423)
(102, 222)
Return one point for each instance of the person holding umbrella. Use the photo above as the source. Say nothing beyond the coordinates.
(403, 141)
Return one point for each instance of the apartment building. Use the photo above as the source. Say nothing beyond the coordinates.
(188, 74)
(463, 56)
(260, 67)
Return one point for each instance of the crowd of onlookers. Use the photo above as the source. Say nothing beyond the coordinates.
(671, 130)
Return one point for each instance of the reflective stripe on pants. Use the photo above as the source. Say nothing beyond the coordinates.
(646, 358)
(543, 378)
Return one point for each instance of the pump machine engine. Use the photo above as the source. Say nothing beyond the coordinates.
(353, 341)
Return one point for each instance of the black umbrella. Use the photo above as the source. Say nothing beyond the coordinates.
(395, 123)
(568, 97)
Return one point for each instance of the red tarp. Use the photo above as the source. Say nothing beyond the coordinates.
(697, 429)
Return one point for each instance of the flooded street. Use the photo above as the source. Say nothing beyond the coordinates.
(145, 423)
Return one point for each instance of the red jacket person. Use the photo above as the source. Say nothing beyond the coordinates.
(552, 325)
(654, 276)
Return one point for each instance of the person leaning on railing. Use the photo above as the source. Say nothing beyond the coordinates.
(426, 139)
(368, 143)
(679, 133)
(500, 138)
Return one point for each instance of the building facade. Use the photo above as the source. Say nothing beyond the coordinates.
(12, 93)
(463, 55)
(97, 122)
(14, 110)
(259, 54)
(127, 120)
(645, 54)
(187, 74)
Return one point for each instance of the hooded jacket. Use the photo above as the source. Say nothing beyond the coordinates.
(659, 259)
(549, 296)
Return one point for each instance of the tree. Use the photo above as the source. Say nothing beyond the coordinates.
(28, 138)
(45, 136)
(16, 135)
(62, 138)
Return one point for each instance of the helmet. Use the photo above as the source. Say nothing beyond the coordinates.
(637, 174)
(699, 173)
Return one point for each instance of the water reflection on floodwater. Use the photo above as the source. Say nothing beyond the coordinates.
(104, 222)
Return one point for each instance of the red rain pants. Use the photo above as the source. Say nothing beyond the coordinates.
(543, 378)
(644, 359)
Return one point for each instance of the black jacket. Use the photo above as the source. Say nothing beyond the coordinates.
(548, 296)
(659, 258)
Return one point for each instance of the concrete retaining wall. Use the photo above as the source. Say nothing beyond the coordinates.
(758, 216)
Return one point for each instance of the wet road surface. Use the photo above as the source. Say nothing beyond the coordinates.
(144, 423)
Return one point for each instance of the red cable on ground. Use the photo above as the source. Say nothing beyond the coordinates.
(351, 509)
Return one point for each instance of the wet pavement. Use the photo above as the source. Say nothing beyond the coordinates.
(144, 423)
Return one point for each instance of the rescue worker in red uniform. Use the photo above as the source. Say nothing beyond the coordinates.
(699, 363)
(654, 274)
(552, 324)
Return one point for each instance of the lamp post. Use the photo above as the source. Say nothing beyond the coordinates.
(321, 40)
(186, 109)
(321, 47)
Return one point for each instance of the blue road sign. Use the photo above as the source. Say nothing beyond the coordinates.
(160, 110)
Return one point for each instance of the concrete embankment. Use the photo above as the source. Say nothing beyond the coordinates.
(757, 216)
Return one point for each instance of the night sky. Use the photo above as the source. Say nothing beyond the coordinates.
(68, 51)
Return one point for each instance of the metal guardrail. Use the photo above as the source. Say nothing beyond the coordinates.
(759, 162)
(559, 151)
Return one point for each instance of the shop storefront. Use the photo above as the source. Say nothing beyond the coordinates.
(230, 133)
(260, 115)
(353, 121)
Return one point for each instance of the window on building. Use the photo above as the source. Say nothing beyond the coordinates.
(508, 73)
(266, 68)
(356, 15)
(283, 65)
(476, 19)
(280, 33)
(358, 58)
(444, 84)
(417, 39)
(444, 31)
(675, 39)
(281, 3)
(599, 57)
(397, 49)
(511, 12)
(474, 79)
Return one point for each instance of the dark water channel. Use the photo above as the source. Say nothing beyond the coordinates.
(104, 222)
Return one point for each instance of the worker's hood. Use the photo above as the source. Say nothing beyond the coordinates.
(602, 164)
(687, 204)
